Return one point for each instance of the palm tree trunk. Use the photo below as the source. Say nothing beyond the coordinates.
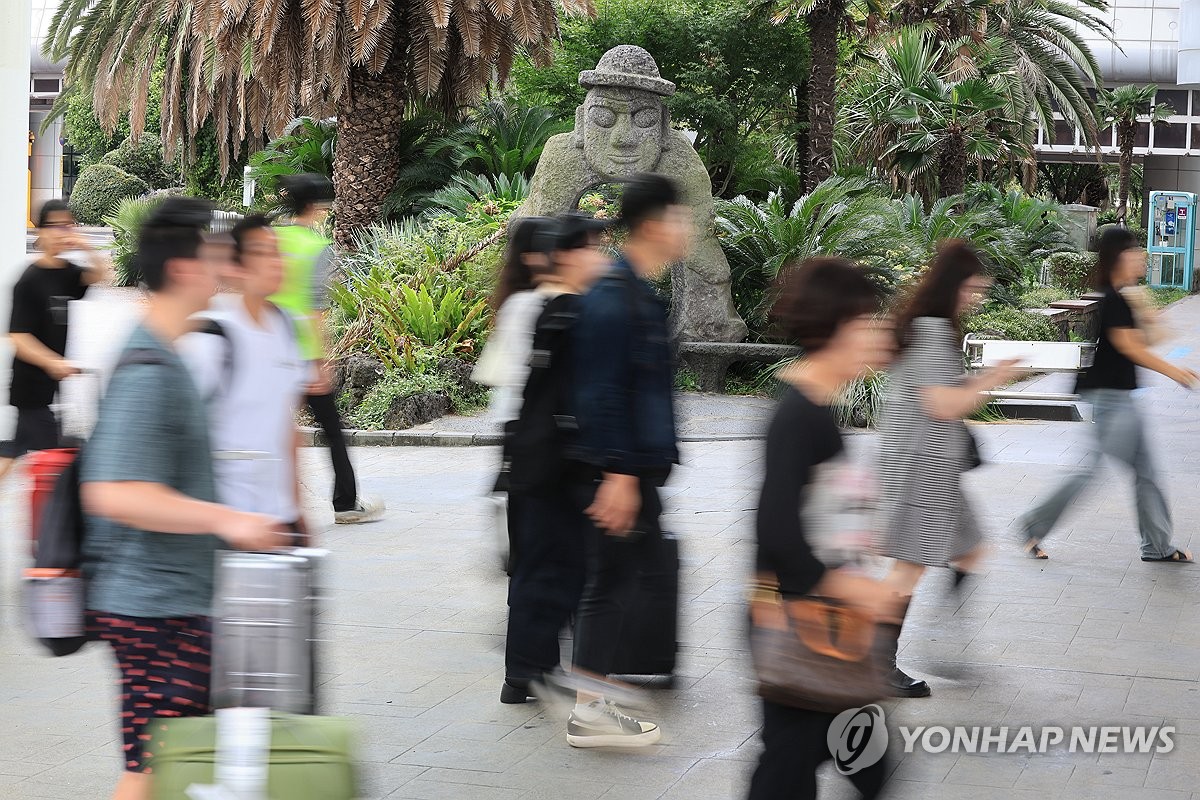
(1124, 168)
(802, 131)
(952, 166)
(824, 23)
(366, 164)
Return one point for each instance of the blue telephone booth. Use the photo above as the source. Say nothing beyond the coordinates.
(1171, 239)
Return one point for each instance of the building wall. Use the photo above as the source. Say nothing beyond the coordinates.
(46, 162)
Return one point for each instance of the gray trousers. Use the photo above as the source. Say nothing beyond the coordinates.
(1120, 434)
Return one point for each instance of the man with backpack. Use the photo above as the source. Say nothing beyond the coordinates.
(624, 385)
(246, 361)
(308, 265)
(146, 484)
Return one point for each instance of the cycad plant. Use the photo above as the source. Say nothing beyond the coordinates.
(843, 217)
(495, 197)
(126, 222)
(251, 66)
(1123, 108)
(501, 138)
(1038, 221)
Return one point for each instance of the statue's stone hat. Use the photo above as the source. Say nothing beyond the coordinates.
(627, 66)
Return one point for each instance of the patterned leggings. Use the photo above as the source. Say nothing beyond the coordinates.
(165, 667)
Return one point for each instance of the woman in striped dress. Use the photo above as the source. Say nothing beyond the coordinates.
(925, 446)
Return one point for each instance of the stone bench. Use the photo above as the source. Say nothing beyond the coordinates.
(711, 360)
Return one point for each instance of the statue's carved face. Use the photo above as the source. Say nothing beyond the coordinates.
(622, 131)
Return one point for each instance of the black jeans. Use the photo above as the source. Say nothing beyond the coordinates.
(794, 745)
(548, 559)
(345, 487)
(613, 563)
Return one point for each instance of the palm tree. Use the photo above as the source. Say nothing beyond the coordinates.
(1123, 108)
(251, 66)
(826, 19)
(912, 119)
(1039, 43)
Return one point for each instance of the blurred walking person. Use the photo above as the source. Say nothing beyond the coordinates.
(623, 395)
(38, 329)
(504, 363)
(547, 526)
(808, 529)
(246, 363)
(153, 525)
(308, 268)
(925, 447)
(1116, 421)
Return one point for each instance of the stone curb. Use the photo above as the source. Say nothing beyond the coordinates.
(314, 437)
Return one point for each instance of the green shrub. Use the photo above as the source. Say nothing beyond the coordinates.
(371, 413)
(1011, 323)
(1044, 296)
(143, 159)
(1071, 271)
(100, 188)
(126, 222)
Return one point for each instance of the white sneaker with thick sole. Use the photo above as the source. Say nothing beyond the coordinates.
(369, 510)
(602, 724)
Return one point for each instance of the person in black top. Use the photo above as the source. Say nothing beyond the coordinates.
(1119, 429)
(810, 531)
(38, 329)
(546, 525)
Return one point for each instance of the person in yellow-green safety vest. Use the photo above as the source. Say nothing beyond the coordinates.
(308, 261)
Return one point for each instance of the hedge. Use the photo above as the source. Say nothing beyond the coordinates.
(1071, 271)
(1012, 324)
(100, 188)
(144, 160)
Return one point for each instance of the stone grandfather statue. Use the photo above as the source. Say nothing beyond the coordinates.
(623, 128)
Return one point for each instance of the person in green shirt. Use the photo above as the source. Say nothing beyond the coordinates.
(307, 261)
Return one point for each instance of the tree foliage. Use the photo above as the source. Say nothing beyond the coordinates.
(730, 92)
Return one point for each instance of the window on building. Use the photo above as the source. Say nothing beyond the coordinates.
(1141, 135)
(46, 85)
(1174, 136)
(1177, 99)
(1064, 134)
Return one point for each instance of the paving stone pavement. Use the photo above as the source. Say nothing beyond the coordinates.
(416, 614)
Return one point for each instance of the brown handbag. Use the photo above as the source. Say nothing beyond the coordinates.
(813, 652)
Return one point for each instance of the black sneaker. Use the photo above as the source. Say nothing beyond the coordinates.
(603, 725)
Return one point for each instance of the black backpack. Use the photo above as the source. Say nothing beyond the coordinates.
(535, 442)
(54, 587)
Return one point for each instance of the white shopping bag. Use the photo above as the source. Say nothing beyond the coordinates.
(99, 328)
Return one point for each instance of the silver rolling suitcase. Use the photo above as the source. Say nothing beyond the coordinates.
(264, 630)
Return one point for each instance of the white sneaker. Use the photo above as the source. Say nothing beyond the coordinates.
(602, 724)
(367, 510)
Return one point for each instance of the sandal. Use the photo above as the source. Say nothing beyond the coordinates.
(1033, 549)
(1177, 557)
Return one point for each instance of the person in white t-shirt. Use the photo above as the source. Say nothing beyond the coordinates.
(247, 364)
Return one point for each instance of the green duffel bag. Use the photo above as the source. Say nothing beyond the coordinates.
(310, 758)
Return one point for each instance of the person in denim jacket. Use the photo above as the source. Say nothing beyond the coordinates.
(626, 444)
